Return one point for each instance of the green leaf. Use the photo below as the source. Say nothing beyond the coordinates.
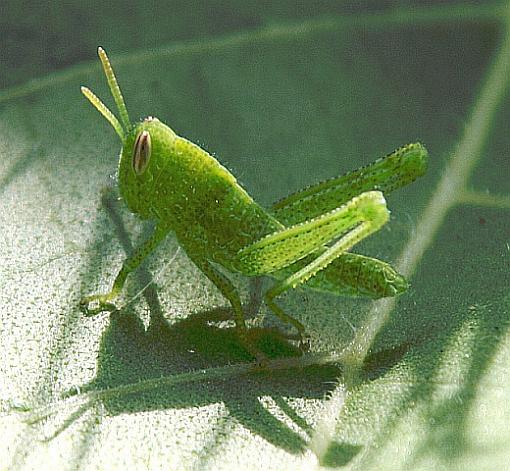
(283, 97)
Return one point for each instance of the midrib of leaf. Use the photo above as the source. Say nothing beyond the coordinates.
(272, 32)
(222, 373)
(450, 191)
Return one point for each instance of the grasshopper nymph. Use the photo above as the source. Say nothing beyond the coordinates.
(303, 238)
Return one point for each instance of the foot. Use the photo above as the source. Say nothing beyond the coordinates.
(304, 342)
(97, 303)
(302, 339)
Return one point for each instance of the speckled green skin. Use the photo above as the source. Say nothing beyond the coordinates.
(189, 192)
(192, 194)
(304, 238)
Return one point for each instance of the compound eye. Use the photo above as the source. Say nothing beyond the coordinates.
(141, 152)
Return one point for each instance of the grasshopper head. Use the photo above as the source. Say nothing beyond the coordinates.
(145, 155)
(144, 145)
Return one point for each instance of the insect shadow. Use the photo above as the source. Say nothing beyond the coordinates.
(131, 353)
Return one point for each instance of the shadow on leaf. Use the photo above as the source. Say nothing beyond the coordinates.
(456, 322)
(131, 354)
(339, 454)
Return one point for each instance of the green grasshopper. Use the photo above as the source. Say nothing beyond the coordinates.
(303, 238)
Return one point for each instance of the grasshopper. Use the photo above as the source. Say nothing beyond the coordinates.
(304, 238)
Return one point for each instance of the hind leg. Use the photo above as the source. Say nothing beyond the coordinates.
(344, 227)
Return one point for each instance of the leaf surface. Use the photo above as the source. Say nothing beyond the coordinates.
(283, 98)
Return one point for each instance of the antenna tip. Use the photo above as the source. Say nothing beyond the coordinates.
(100, 51)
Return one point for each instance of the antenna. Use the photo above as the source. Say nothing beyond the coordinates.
(120, 129)
(114, 87)
(101, 107)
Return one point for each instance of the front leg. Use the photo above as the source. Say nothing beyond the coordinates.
(131, 263)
